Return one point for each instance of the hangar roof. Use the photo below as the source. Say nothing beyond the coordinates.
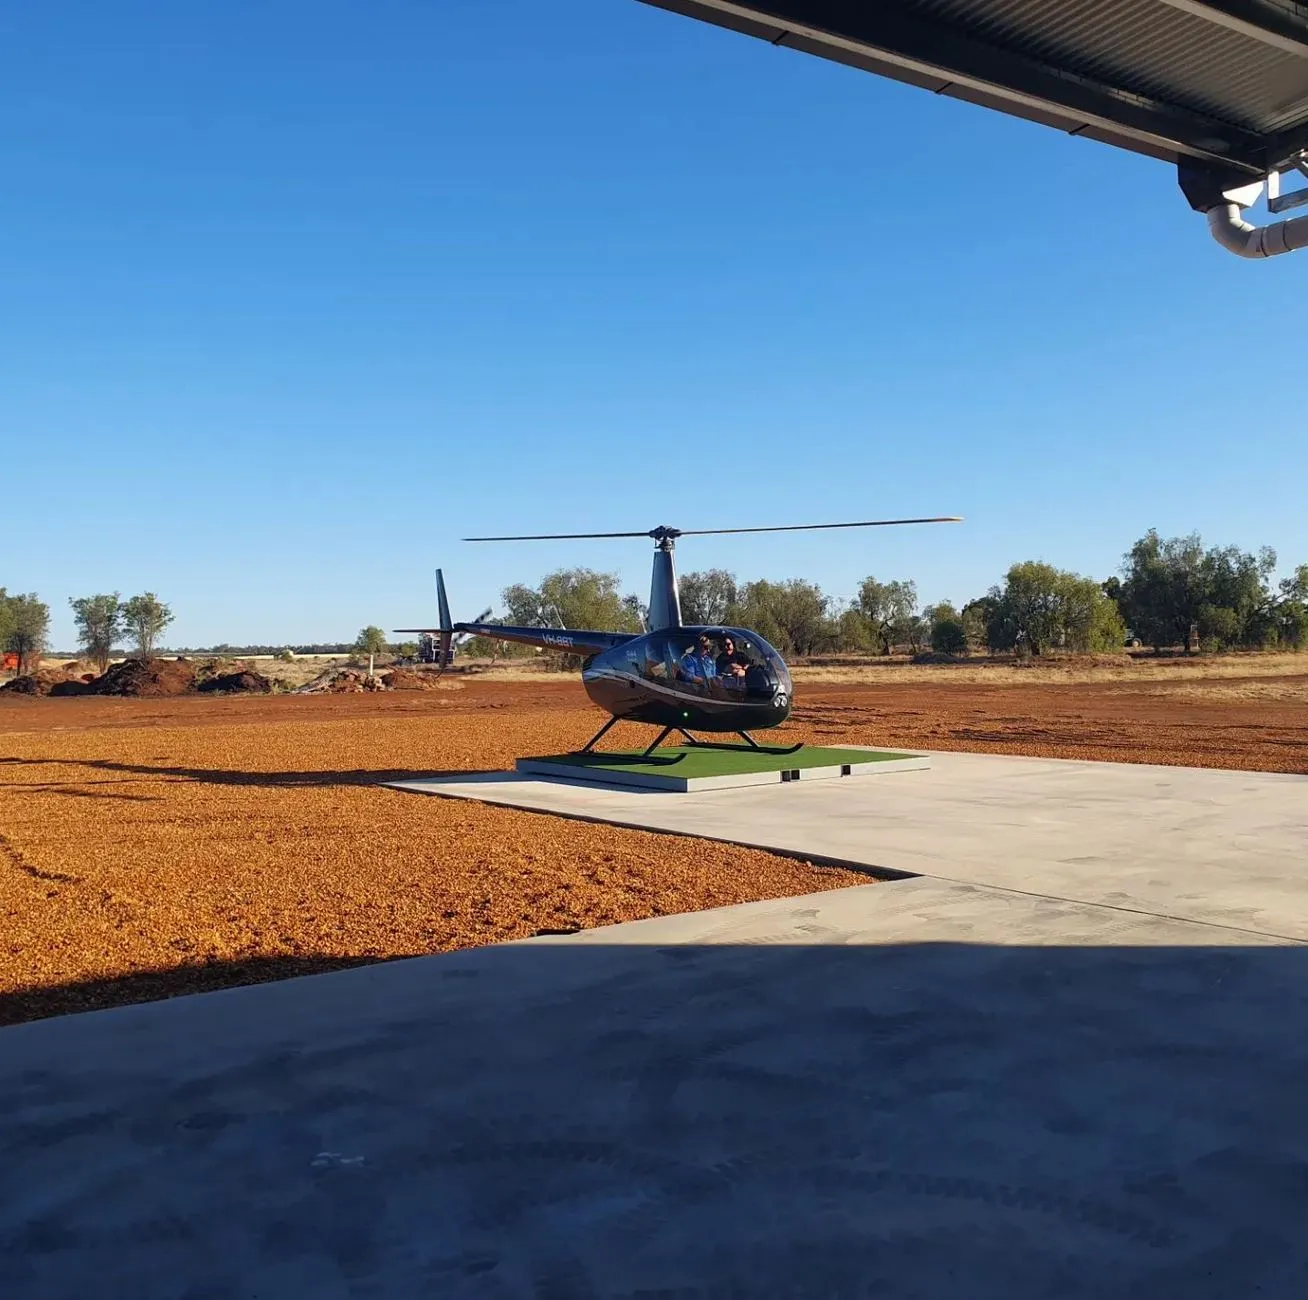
(1218, 83)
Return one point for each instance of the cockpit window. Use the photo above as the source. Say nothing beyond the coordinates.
(722, 663)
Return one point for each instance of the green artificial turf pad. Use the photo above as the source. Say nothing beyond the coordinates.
(701, 762)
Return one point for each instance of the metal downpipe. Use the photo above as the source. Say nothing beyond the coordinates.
(1234, 233)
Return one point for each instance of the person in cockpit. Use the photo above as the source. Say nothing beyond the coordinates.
(698, 666)
(732, 663)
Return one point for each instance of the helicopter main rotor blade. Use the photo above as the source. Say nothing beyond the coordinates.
(711, 532)
(553, 537)
(800, 528)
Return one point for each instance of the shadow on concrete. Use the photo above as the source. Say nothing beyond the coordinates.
(580, 1118)
(156, 985)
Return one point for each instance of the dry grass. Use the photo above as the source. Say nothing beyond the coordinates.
(1293, 690)
(1074, 670)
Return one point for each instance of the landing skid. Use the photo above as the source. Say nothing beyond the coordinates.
(750, 746)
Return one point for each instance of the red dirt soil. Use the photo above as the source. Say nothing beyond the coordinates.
(150, 847)
(1113, 721)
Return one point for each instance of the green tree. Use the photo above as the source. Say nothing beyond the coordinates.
(1105, 629)
(792, 615)
(916, 631)
(1176, 593)
(708, 597)
(407, 649)
(144, 619)
(1040, 608)
(1291, 610)
(636, 609)
(1163, 589)
(371, 642)
(1238, 608)
(575, 598)
(572, 598)
(1296, 587)
(889, 608)
(1023, 611)
(1292, 624)
(853, 632)
(975, 617)
(99, 622)
(6, 619)
(948, 636)
(26, 622)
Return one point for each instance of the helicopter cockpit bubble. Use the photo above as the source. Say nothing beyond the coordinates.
(697, 660)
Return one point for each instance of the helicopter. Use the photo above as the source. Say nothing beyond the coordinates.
(715, 679)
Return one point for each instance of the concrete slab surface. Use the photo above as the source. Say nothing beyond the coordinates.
(915, 1089)
(675, 779)
(1229, 848)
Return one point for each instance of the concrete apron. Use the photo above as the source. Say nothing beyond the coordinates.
(1230, 848)
(924, 1088)
(902, 1089)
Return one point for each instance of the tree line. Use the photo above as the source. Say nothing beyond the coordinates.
(102, 621)
(1169, 592)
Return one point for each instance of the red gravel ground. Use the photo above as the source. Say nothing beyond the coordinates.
(162, 846)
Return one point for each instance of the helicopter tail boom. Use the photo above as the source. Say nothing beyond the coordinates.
(579, 642)
(569, 640)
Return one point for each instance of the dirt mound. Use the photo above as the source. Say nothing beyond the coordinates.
(41, 682)
(74, 685)
(140, 680)
(409, 679)
(242, 682)
(341, 681)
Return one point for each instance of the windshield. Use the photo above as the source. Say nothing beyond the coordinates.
(780, 673)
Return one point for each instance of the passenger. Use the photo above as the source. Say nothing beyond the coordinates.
(697, 664)
(732, 663)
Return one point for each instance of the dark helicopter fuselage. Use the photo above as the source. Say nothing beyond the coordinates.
(659, 678)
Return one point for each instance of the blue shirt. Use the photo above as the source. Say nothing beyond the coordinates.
(697, 666)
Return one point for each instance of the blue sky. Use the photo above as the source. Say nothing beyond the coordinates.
(296, 295)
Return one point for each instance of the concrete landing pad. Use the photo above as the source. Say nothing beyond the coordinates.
(1225, 847)
(886, 1091)
(687, 768)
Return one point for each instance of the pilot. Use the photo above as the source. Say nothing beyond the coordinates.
(697, 664)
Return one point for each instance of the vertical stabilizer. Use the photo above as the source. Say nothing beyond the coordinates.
(442, 604)
(445, 622)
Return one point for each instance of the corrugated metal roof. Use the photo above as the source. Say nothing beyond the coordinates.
(1224, 82)
(1147, 47)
